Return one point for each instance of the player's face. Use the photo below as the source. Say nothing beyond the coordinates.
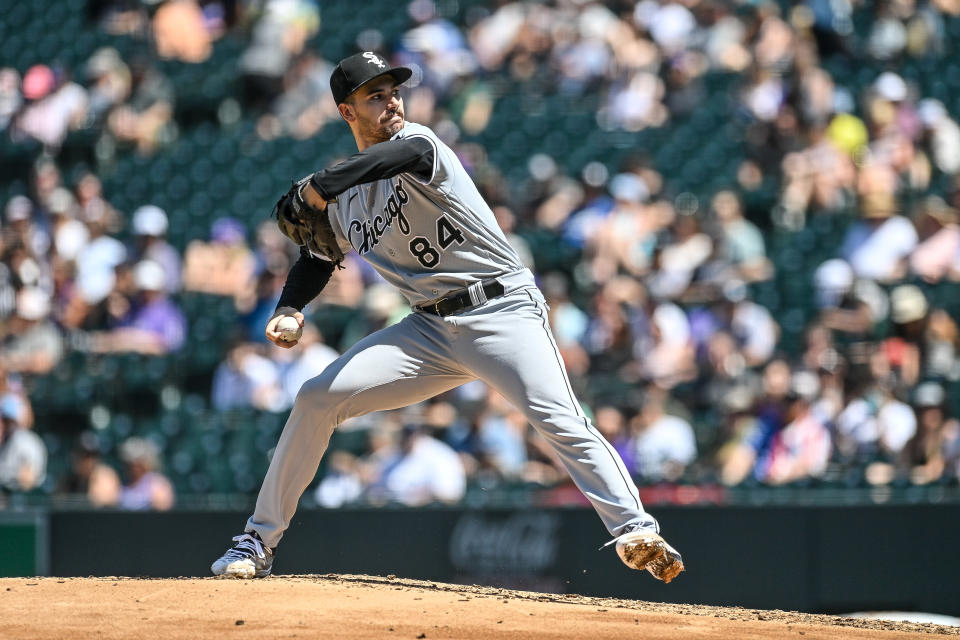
(379, 109)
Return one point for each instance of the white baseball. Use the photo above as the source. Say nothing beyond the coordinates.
(289, 329)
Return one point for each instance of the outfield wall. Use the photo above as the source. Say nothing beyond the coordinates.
(817, 559)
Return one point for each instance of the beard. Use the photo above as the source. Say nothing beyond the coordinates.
(384, 129)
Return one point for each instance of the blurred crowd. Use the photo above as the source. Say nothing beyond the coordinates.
(684, 369)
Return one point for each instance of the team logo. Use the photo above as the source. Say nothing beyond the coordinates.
(366, 234)
(373, 58)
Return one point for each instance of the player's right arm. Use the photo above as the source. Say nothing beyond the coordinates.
(307, 278)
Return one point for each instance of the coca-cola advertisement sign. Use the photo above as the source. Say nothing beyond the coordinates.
(519, 542)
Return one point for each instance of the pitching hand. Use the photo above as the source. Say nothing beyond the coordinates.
(271, 331)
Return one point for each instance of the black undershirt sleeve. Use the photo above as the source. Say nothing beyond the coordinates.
(307, 278)
(414, 155)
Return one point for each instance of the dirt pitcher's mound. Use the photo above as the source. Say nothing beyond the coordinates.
(349, 607)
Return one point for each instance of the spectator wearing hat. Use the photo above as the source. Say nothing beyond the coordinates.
(69, 235)
(937, 256)
(935, 448)
(942, 135)
(23, 456)
(54, 106)
(33, 344)
(896, 424)
(97, 262)
(109, 82)
(149, 226)
(89, 476)
(23, 233)
(154, 325)
(878, 245)
(908, 311)
(891, 107)
(146, 488)
(849, 306)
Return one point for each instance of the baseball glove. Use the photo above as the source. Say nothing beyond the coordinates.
(307, 226)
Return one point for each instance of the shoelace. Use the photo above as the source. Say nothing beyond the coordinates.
(617, 538)
(246, 546)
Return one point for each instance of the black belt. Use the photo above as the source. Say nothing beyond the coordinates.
(461, 299)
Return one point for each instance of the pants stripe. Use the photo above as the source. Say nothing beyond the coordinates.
(586, 423)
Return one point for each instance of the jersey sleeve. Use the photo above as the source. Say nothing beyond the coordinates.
(414, 155)
(441, 169)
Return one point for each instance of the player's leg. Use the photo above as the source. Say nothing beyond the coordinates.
(532, 377)
(394, 367)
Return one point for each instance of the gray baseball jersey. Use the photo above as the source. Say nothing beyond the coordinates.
(425, 237)
(430, 235)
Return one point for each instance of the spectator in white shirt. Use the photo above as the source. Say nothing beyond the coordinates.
(429, 471)
(23, 456)
(663, 444)
(878, 246)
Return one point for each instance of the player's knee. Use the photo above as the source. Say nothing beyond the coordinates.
(315, 392)
(320, 397)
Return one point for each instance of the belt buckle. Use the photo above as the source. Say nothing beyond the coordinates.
(436, 306)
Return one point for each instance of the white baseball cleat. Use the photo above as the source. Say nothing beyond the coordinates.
(645, 549)
(249, 558)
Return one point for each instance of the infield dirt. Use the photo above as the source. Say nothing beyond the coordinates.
(349, 607)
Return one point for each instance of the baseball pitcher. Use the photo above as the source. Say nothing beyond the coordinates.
(406, 205)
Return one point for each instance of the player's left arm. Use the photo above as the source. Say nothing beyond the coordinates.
(415, 155)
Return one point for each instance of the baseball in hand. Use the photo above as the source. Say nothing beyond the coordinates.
(289, 329)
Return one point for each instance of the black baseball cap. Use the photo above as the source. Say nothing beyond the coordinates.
(357, 70)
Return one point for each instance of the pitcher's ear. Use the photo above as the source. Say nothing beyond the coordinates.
(347, 112)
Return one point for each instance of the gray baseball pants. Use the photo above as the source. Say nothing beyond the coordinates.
(508, 344)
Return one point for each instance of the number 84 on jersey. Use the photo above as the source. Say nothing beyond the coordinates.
(427, 253)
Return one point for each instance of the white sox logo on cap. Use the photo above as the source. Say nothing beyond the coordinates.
(353, 72)
(372, 58)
